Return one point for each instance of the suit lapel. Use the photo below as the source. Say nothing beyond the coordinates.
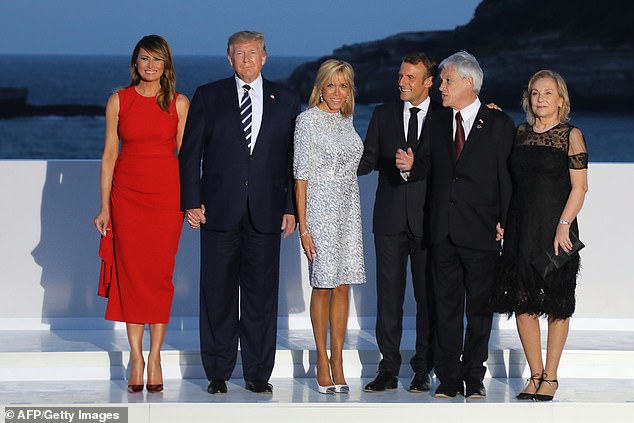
(230, 98)
(268, 105)
(447, 133)
(397, 118)
(476, 132)
(420, 135)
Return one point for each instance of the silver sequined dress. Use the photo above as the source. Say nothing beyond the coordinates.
(327, 154)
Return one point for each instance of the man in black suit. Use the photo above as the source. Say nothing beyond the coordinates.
(464, 150)
(242, 129)
(398, 224)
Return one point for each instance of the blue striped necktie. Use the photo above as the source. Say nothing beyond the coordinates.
(246, 111)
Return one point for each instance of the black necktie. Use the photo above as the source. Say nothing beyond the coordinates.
(459, 139)
(412, 126)
(245, 114)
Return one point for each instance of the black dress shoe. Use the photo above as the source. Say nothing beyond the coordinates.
(259, 386)
(475, 390)
(420, 383)
(381, 382)
(217, 386)
(448, 390)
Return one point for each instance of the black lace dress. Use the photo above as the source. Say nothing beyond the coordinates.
(539, 166)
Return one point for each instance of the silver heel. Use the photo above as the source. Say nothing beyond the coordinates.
(327, 390)
(341, 389)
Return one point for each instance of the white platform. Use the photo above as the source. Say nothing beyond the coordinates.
(103, 355)
(87, 368)
(296, 400)
(56, 349)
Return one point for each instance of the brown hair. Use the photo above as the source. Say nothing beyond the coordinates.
(155, 44)
(427, 61)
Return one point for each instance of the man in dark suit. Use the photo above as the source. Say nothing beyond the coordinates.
(242, 129)
(398, 224)
(464, 151)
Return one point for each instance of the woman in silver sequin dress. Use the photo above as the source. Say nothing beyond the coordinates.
(327, 154)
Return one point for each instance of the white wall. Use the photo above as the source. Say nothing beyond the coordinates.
(49, 265)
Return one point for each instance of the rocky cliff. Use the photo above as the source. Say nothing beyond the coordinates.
(591, 43)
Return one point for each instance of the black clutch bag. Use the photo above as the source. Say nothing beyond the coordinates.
(547, 261)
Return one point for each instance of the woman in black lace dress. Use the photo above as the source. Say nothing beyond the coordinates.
(549, 171)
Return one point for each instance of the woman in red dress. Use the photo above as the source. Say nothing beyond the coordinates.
(140, 202)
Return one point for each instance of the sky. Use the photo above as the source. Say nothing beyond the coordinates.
(201, 27)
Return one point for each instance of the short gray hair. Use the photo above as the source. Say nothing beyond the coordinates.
(466, 65)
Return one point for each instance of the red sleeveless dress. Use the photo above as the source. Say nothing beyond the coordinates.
(145, 211)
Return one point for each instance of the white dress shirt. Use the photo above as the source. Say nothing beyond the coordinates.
(422, 114)
(468, 114)
(257, 95)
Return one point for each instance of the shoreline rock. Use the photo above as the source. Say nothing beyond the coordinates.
(512, 39)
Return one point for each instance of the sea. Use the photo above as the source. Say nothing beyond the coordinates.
(85, 79)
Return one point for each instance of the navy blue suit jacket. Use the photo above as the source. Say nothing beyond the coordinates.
(232, 178)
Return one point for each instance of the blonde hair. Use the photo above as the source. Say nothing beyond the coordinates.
(245, 37)
(156, 45)
(563, 113)
(325, 74)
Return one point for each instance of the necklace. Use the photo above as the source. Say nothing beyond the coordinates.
(545, 129)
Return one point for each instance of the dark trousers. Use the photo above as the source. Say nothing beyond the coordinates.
(239, 270)
(392, 252)
(463, 280)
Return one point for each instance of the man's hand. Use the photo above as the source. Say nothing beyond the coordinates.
(404, 160)
(195, 217)
(494, 106)
(499, 232)
(288, 224)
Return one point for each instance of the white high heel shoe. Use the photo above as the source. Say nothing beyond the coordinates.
(327, 390)
(341, 389)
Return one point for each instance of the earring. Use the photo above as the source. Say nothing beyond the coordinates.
(321, 98)
(346, 100)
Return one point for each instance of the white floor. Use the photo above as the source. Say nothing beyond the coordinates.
(288, 390)
(87, 368)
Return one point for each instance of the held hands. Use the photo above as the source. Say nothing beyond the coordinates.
(499, 232)
(101, 222)
(308, 245)
(196, 217)
(562, 239)
(404, 160)
(288, 224)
